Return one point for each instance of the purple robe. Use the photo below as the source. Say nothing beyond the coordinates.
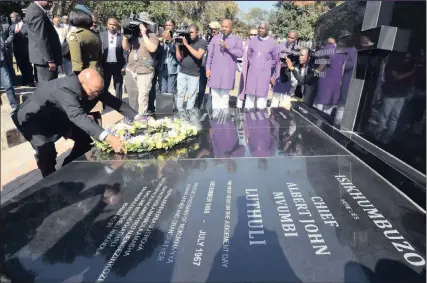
(348, 72)
(329, 86)
(243, 75)
(224, 138)
(262, 142)
(262, 60)
(222, 61)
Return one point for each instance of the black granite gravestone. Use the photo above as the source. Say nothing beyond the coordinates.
(318, 217)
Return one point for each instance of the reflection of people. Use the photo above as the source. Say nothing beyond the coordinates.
(224, 136)
(345, 82)
(59, 109)
(328, 89)
(261, 133)
(398, 76)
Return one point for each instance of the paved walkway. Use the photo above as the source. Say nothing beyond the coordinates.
(18, 166)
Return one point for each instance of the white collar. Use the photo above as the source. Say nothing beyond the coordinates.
(265, 38)
(110, 34)
(41, 7)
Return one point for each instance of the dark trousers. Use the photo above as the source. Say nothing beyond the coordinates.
(7, 84)
(113, 70)
(153, 91)
(9, 61)
(202, 87)
(46, 152)
(24, 65)
(44, 74)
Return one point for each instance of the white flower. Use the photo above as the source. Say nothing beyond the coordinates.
(137, 139)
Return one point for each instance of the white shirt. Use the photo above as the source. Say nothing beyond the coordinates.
(61, 33)
(112, 44)
(18, 26)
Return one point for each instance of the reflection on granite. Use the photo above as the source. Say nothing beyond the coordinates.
(310, 219)
(267, 133)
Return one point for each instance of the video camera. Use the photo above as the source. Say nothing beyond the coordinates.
(131, 26)
(181, 32)
(290, 51)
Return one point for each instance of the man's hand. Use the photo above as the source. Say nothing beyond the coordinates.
(208, 74)
(184, 40)
(116, 143)
(272, 80)
(52, 67)
(289, 63)
(143, 29)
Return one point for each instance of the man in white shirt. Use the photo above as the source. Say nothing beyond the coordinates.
(66, 68)
(113, 59)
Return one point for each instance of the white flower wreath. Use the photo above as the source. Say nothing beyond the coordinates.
(150, 134)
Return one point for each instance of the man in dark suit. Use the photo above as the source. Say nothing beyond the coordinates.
(43, 41)
(60, 108)
(20, 49)
(113, 60)
(306, 77)
(7, 36)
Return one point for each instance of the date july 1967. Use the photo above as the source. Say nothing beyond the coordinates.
(198, 253)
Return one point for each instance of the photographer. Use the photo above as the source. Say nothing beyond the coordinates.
(285, 82)
(190, 55)
(168, 65)
(142, 48)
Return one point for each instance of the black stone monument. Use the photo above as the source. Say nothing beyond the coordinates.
(261, 196)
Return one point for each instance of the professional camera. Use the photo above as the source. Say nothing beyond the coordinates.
(285, 73)
(292, 51)
(181, 32)
(131, 25)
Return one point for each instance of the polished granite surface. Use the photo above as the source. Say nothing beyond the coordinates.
(231, 134)
(316, 217)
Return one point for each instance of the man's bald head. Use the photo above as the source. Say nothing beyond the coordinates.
(92, 82)
(227, 26)
(263, 28)
(112, 24)
(292, 36)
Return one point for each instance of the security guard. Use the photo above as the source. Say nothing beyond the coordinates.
(85, 50)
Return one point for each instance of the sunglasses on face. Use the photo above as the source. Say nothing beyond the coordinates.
(253, 34)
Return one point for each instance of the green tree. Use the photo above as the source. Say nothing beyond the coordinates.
(255, 15)
(300, 16)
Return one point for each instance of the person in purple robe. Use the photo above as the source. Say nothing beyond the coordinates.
(350, 62)
(244, 71)
(262, 60)
(224, 136)
(329, 84)
(223, 51)
(261, 138)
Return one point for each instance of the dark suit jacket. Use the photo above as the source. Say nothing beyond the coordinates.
(120, 53)
(7, 36)
(20, 39)
(306, 85)
(46, 116)
(43, 41)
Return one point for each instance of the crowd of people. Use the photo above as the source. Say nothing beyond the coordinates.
(152, 62)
